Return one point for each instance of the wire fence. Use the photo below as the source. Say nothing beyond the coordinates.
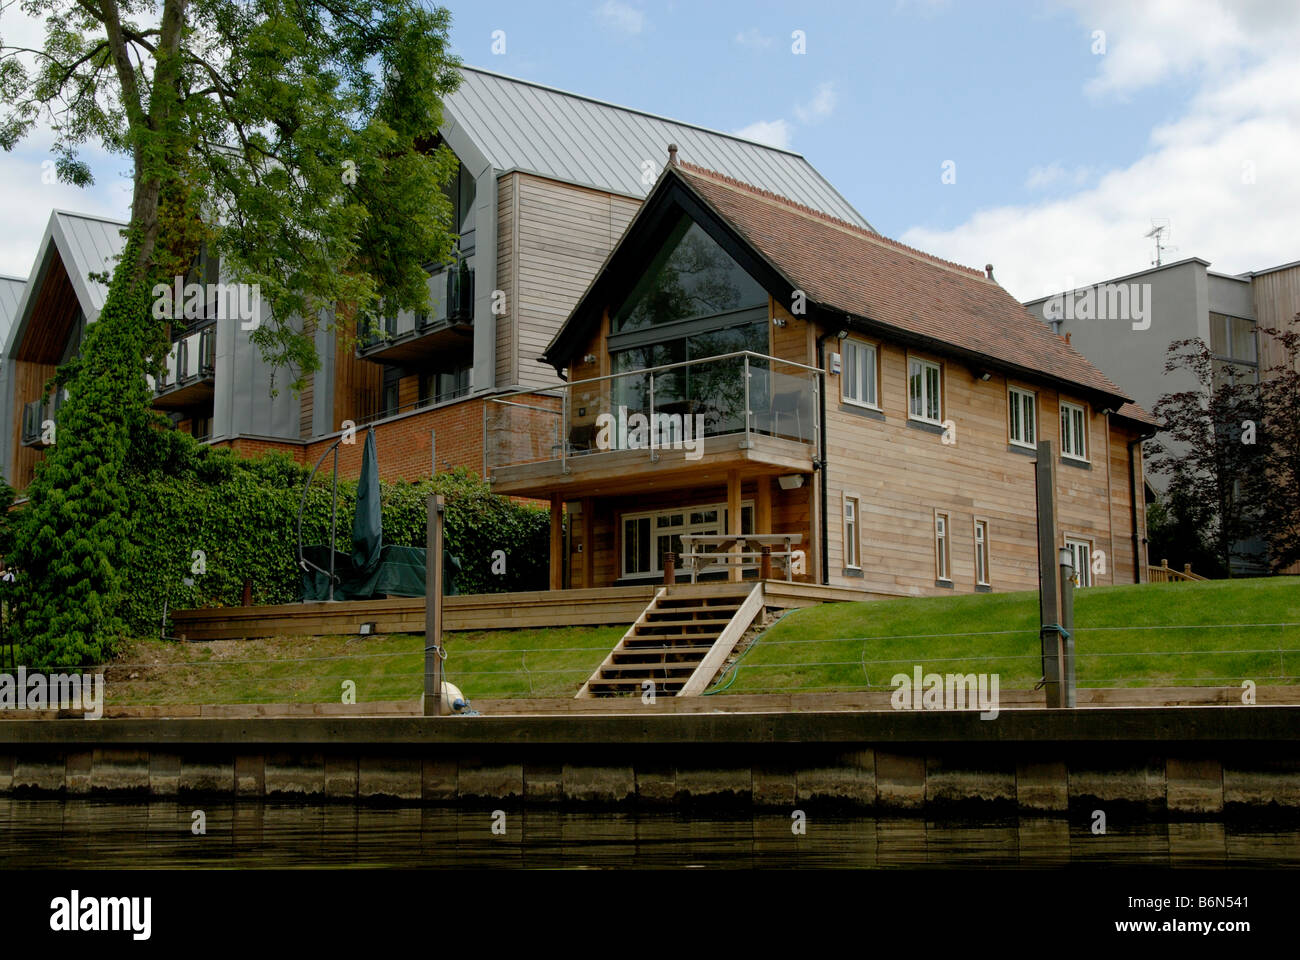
(767, 665)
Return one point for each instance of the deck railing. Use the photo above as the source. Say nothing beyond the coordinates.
(673, 406)
(1165, 574)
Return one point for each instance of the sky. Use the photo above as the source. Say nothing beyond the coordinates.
(1045, 137)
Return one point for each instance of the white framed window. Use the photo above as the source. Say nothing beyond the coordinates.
(648, 535)
(1022, 417)
(852, 548)
(982, 552)
(942, 563)
(924, 391)
(1081, 555)
(858, 379)
(1074, 431)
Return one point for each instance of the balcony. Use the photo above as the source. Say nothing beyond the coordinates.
(36, 414)
(412, 340)
(671, 426)
(188, 381)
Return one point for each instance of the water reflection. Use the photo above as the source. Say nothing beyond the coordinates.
(44, 833)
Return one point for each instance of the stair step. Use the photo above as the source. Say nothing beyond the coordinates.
(708, 633)
(677, 602)
(698, 613)
(676, 682)
(679, 648)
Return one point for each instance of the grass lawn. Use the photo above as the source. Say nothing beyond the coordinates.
(1154, 634)
(492, 663)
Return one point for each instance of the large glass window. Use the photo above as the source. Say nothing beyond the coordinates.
(691, 277)
(648, 536)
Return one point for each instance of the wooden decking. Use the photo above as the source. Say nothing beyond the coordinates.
(486, 611)
(614, 606)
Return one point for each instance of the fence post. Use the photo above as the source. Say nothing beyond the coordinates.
(1067, 630)
(1048, 585)
(433, 606)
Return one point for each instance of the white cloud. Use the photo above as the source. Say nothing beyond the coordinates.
(819, 107)
(621, 17)
(753, 39)
(1243, 122)
(775, 133)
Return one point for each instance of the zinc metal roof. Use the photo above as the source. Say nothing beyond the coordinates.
(88, 245)
(520, 125)
(11, 291)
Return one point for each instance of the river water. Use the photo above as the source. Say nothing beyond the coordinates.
(92, 833)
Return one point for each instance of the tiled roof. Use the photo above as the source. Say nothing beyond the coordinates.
(843, 267)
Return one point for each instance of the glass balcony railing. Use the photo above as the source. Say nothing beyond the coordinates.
(672, 407)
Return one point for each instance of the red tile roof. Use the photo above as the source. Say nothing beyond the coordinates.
(843, 267)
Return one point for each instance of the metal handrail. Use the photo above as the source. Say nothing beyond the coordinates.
(303, 562)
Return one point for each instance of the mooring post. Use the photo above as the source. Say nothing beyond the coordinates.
(1048, 602)
(433, 607)
(1067, 628)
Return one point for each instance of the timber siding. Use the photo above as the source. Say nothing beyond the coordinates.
(560, 237)
(903, 474)
(1277, 301)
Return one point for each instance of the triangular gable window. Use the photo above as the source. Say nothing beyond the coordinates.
(691, 277)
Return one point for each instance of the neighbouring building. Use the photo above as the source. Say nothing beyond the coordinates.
(547, 183)
(745, 363)
(1125, 326)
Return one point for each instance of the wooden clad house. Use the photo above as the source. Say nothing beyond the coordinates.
(745, 364)
(547, 183)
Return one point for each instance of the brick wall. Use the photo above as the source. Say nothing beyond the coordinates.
(402, 443)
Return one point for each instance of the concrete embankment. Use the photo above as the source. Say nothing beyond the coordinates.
(1167, 761)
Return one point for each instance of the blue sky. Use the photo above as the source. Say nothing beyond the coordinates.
(996, 88)
(1064, 151)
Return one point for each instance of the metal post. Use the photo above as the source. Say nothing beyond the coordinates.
(1067, 630)
(1049, 610)
(747, 410)
(670, 568)
(564, 432)
(433, 606)
(654, 455)
(765, 563)
(334, 510)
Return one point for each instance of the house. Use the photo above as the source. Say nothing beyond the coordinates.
(743, 362)
(547, 183)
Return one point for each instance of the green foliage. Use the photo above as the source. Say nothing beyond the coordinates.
(243, 515)
(1172, 536)
(75, 537)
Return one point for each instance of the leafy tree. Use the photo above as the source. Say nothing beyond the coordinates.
(298, 137)
(1275, 482)
(1207, 449)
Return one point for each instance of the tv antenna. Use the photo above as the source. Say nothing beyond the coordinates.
(1159, 232)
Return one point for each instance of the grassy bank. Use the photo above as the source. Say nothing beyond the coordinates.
(1155, 634)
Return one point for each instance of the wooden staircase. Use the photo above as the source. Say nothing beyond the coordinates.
(679, 642)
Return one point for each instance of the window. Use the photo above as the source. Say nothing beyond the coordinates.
(923, 391)
(1081, 555)
(943, 569)
(852, 557)
(691, 277)
(1074, 431)
(858, 377)
(1022, 417)
(648, 536)
(982, 552)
